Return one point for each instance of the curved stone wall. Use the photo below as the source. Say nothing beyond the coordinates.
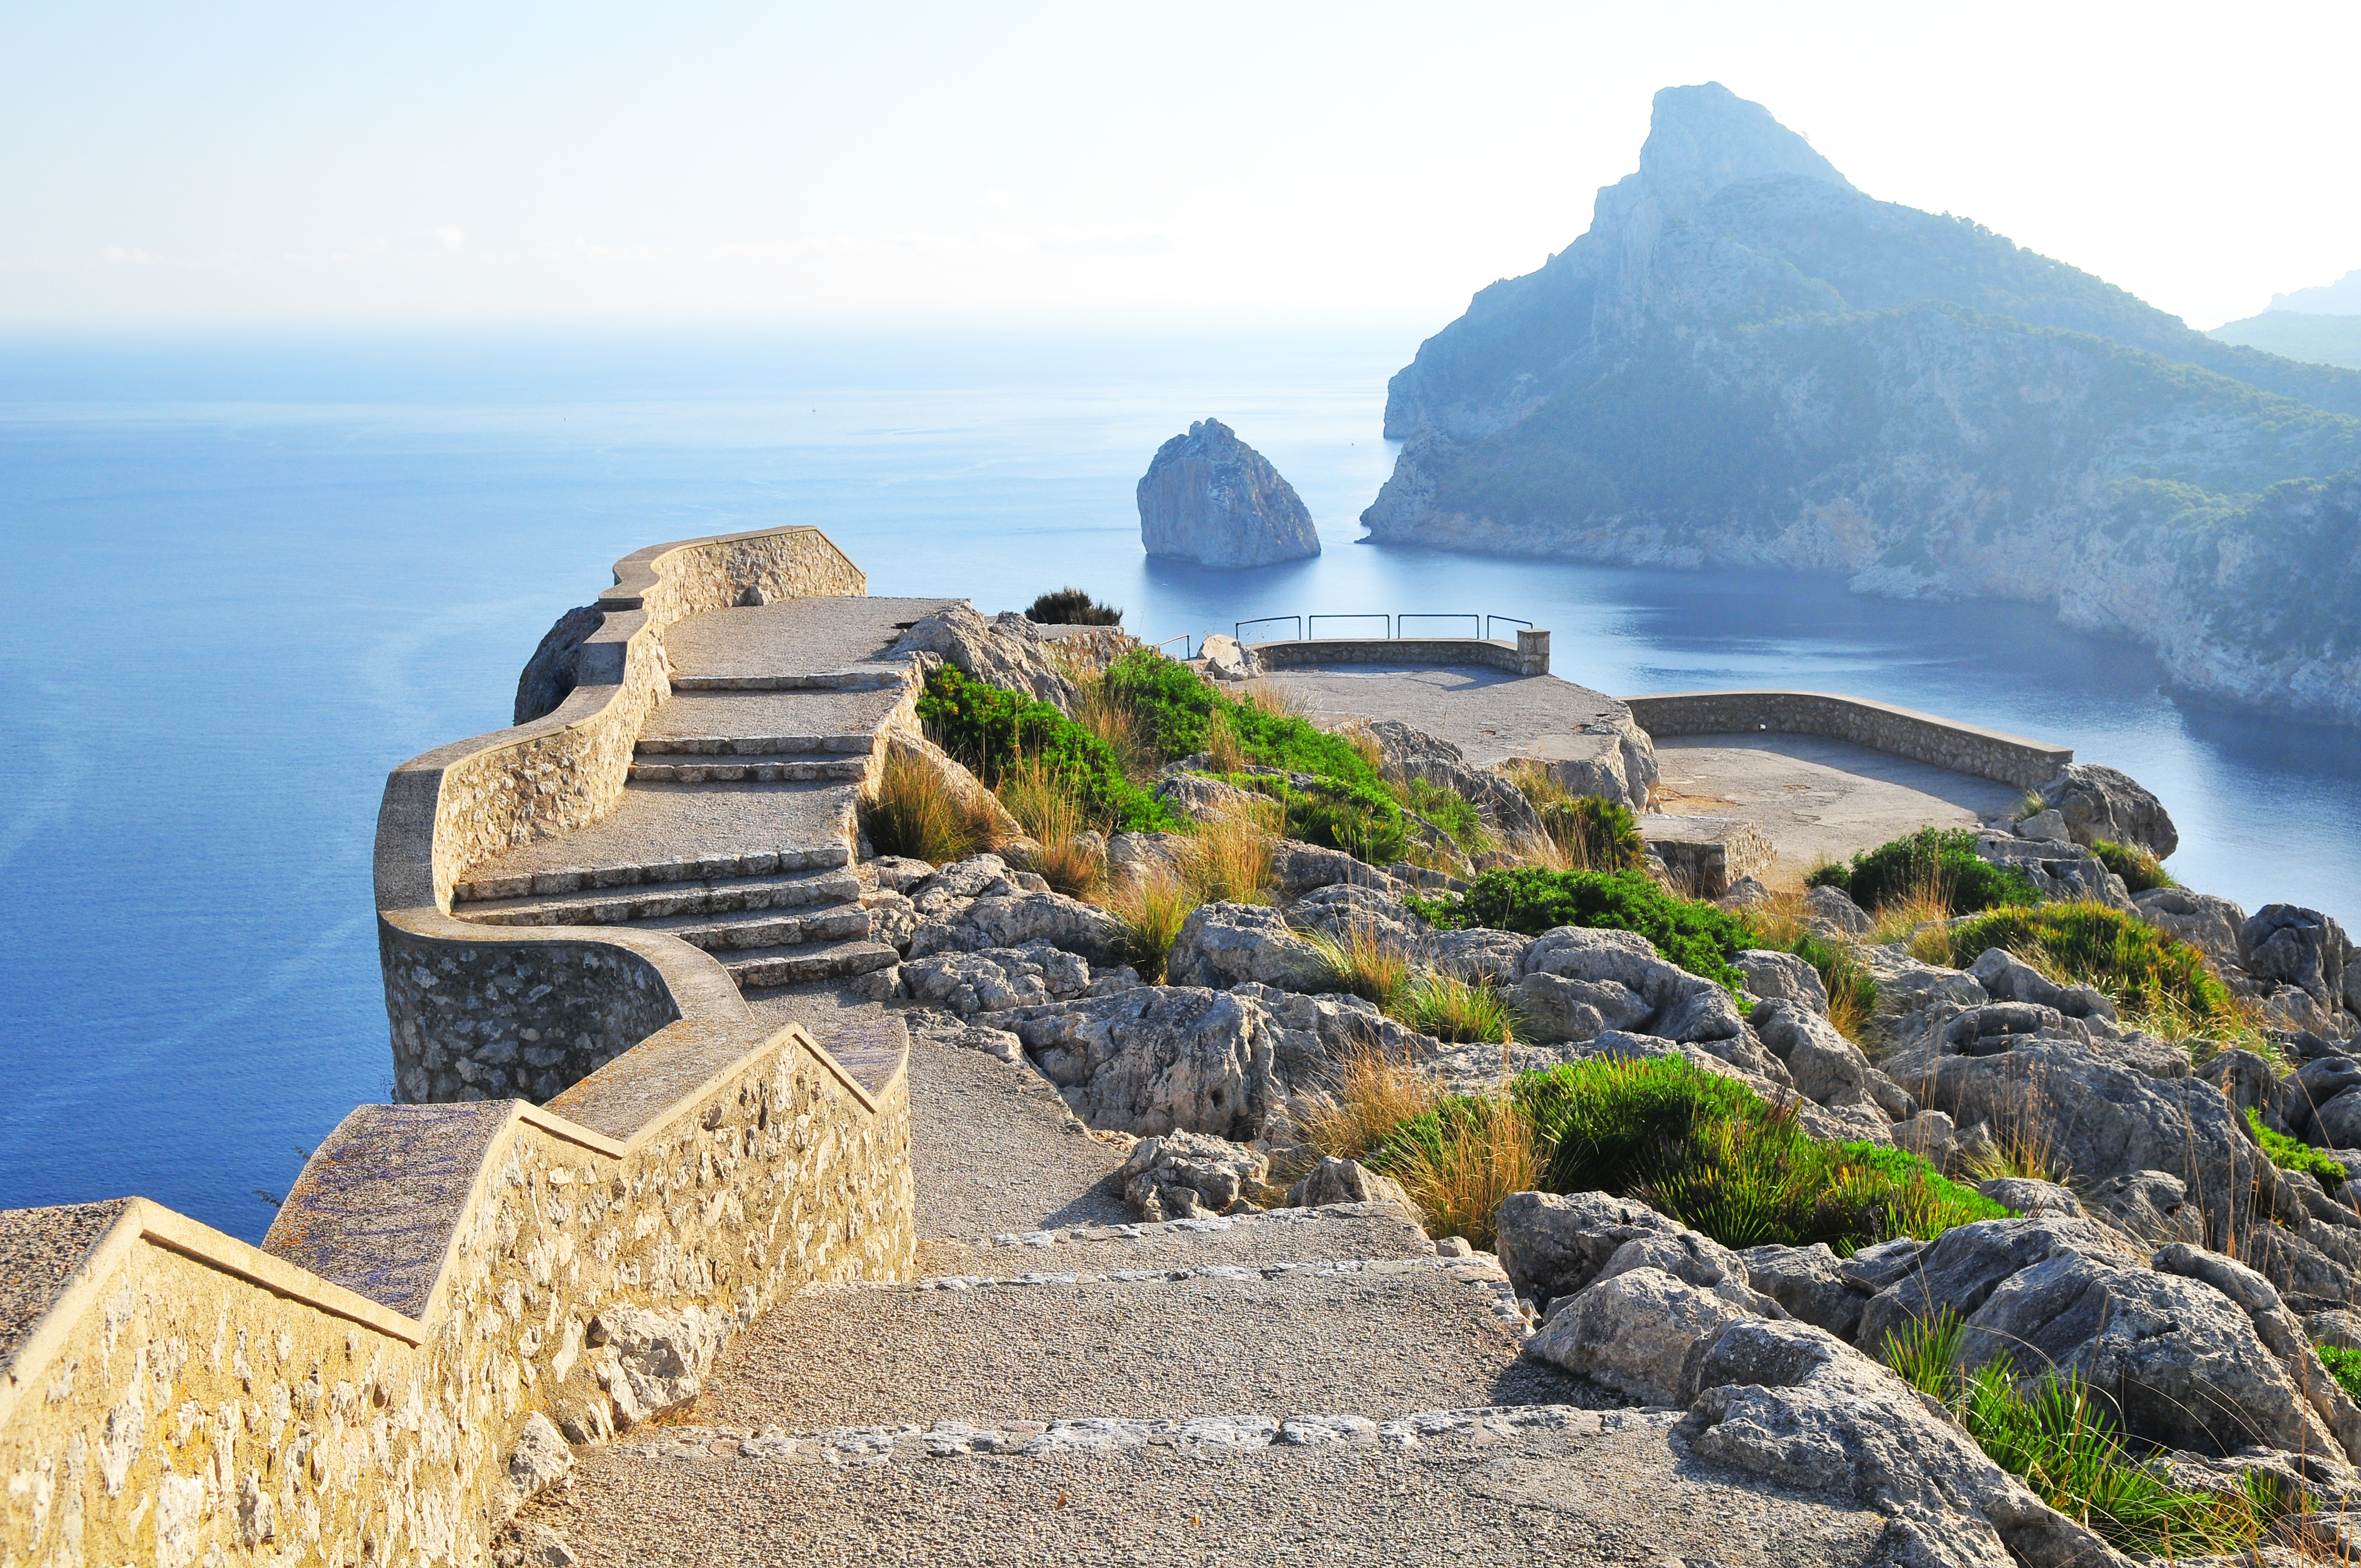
(1881, 727)
(453, 807)
(363, 1387)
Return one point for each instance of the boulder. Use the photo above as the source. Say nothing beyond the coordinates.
(1746, 893)
(1782, 977)
(1210, 499)
(2311, 1089)
(2301, 948)
(893, 919)
(1178, 1176)
(997, 979)
(1334, 1180)
(960, 883)
(2152, 1205)
(1966, 1263)
(655, 1360)
(1298, 868)
(2007, 977)
(1315, 1032)
(2060, 870)
(541, 1458)
(1007, 650)
(550, 676)
(2098, 803)
(1553, 1245)
(1015, 921)
(1227, 659)
(1342, 910)
(2046, 828)
(1131, 857)
(1202, 797)
(1810, 1284)
(1578, 984)
(1222, 944)
(2208, 924)
(1159, 1060)
(1832, 909)
(2338, 1326)
(2280, 1331)
(2033, 1198)
(1477, 953)
(1906, 986)
(1635, 1333)
(2337, 1125)
(1694, 1258)
(1826, 1068)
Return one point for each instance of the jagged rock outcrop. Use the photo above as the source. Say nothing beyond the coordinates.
(1210, 499)
(1007, 650)
(2100, 802)
(549, 676)
(1852, 386)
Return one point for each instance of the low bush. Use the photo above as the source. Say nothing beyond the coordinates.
(2141, 871)
(991, 730)
(1171, 706)
(1710, 1153)
(1363, 821)
(2294, 1153)
(916, 813)
(2061, 1438)
(2091, 944)
(1072, 607)
(2343, 1364)
(1935, 865)
(1698, 936)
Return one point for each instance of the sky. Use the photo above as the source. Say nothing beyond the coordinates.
(306, 166)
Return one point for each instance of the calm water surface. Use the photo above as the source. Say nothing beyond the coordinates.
(249, 578)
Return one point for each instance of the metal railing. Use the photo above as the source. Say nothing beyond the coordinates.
(1307, 627)
(1183, 639)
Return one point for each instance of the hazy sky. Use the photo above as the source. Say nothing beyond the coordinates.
(301, 164)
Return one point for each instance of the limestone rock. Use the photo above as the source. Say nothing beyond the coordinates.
(2031, 1197)
(1782, 977)
(1014, 921)
(1553, 1245)
(1008, 652)
(1407, 753)
(1222, 944)
(1477, 952)
(2152, 1205)
(541, 1458)
(2208, 924)
(994, 980)
(1334, 1180)
(2007, 977)
(660, 1359)
(2302, 947)
(1298, 868)
(1810, 1284)
(1160, 1058)
(1966, 1263)
(1635, 1333)
(1577, 984)
(549, 676)
(1203, 798)
(1210, 499)
(1178, 1176)
(2098, 803)
(1317, 1031)
(1827, 1069)
(1133, 857)
(1833, 910)
(1227, 659)
(2280, 1331)
(1904, 985)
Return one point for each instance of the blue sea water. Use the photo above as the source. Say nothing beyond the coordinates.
(247, 577)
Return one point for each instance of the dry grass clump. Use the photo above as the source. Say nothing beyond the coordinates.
(1110, 719)
(1364, 741)
(1152, 910)
(917, 813)
(1268, 697)
(1230, 857)
(1926, 901)
(1460, 1181)
(1224, 753)
(1363, 963)
(1368, 1095)
(1046, 806)
(1226, 861)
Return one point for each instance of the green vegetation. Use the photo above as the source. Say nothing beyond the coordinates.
(1938, 866)
(916, 815)
(1852, 992)
(2061, 1437)
(1171, 709)
(2343, 1364)
(1363, 822)
(2140, 870)
(1072, 607)
(993, 731)
(1453, 1010)
(1448, 809)
(2089, 944)
(1591, 832)
(1698, 936)
(2294, 1153)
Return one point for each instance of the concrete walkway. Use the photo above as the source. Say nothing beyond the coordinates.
(1490, 715)
(1817, 800)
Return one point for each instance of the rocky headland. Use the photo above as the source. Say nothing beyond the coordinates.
(1748, 362)
(1210, 499)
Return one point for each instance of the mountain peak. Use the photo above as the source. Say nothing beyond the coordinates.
(1701, 139)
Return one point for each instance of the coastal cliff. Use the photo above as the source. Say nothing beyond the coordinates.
(1746, 362)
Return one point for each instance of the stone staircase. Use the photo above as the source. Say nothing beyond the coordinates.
(1298, 1386)
(736, 827)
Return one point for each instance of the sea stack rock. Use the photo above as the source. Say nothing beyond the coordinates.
(1210, 499)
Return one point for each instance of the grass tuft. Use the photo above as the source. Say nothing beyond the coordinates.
(2140, 870)
(1460, 1160)
(2091, 943)
(918, 814)
(1453, 1010)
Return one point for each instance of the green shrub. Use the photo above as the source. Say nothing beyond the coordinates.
(1172, 706)
(1448, 809)
(1707, 1151)
(1362, 821)
(2144, 969)
(1698, 936)
(1072, 607)
(2343, 1364)
(991, 730)
(2141, 871)
(1941, 863)
(2294, 1153)
(2060, 1437)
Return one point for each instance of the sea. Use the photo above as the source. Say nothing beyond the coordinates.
(247, 576)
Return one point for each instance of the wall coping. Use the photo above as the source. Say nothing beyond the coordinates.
(1865, 722)
(1430, 653)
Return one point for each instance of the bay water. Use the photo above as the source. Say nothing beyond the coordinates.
(248, 577)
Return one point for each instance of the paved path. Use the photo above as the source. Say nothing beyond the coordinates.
(1490, 715)
(1815, 799)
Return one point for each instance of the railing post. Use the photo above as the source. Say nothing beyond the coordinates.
(1532, 653)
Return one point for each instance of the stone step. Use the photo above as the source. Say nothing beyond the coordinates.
(727, 938)
(616, 906)
(1380, 1334)
(1367, 1231)
(1368, 1484)
(754, 770)
(809, 681)
(827, 855)
(801, 963)
(859, 742)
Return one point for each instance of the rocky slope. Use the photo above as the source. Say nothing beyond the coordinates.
(1748, 362)
(1210, 499)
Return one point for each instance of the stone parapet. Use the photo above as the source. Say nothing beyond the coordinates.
(1881, 727)
(365, 1386)
(538, 1021)
(1529, 655)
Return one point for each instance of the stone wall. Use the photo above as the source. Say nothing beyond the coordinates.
(1529, 655)
(454, 807)
(1922, 736)
(446, 1289)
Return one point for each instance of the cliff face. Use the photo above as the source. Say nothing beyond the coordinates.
(1746, 362)
(1209, 497)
